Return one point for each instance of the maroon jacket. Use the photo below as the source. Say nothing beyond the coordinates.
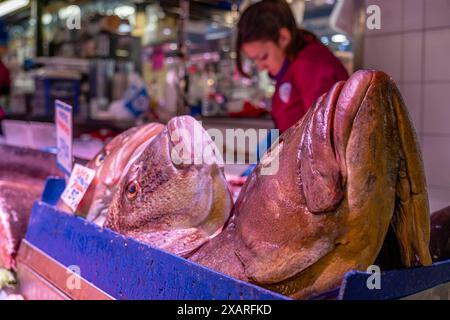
(302, 81)
(4, 79)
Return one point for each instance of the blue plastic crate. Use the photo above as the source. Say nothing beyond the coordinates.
(127, 269)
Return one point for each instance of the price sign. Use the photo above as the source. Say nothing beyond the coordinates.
(63, 119)
(79, 182)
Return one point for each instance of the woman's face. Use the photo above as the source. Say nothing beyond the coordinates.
(268, 55)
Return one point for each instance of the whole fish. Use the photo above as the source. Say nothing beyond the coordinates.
(440, 235)
(16, 201)
(349, 171)
(109, 165)
(170, 198)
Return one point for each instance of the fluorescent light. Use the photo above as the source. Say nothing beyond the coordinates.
(339, 38)
(216, 35)
(47, 18)
(124, 11)
(9, 6)
(70, 11)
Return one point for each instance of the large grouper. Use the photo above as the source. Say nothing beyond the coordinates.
(174, 196)
(350, 192)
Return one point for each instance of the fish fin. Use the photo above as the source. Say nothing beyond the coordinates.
(411, 219)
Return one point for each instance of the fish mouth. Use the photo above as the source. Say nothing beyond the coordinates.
(323, 138)
(331, 123)
(190, 144)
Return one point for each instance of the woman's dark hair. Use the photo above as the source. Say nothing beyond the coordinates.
(262, 21)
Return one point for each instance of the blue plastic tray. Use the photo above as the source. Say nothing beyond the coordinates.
(127, 269)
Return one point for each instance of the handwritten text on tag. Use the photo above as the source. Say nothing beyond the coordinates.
(79, 182)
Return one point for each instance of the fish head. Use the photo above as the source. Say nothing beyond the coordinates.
(98, 162)
(347, 171)
(110, 164)
(290, 218)
(177, 184)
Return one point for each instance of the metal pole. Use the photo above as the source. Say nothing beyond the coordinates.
(183, 54)
(36, 14)
(358, 35)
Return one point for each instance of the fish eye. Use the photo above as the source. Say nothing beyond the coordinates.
(132, 190)
(100, 159)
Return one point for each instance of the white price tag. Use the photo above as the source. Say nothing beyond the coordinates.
(63, 119)
(79, 182)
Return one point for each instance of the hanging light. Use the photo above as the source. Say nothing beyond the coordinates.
(69, 11)
(9, 6)
(47, 18)
(339, 38)
(124, 11)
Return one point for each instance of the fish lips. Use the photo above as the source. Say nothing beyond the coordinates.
(190, 144)
(319, 160)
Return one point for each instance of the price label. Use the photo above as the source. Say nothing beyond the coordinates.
(79, 182)
(63, 119)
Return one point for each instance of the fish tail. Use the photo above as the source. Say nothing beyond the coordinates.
(411, 220)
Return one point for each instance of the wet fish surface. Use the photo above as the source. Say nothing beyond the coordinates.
(173, 205)
(350, 174)
(23, 173)
(109, 166)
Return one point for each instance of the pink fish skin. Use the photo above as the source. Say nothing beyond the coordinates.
(23, 173)
(109, 165)
(174, 206)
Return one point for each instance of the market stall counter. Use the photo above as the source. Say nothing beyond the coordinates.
(67, 257)
(351, 195)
